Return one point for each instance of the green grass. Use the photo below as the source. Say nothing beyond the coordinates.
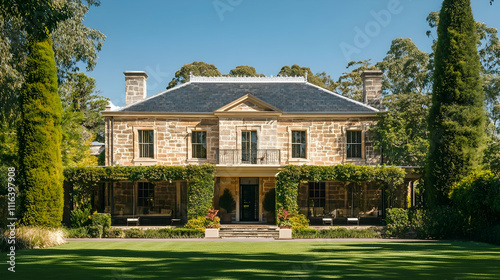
(265, 260)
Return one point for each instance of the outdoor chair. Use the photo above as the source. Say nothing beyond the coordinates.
(330, 217)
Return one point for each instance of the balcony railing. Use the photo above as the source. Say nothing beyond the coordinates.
(260, 157)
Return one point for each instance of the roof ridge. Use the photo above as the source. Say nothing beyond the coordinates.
(246, 79)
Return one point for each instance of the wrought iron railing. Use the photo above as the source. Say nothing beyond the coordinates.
(260, 157)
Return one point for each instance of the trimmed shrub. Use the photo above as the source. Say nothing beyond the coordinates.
(164, 233)
(113, 233)
(80, 232)
(491, 235)
(348, 233)
(299, 221)
(33, 238)
(80, 216)
(198, 223)
(134, 233)
(305, 233)
(444, 222)
(40, 176)
(227, 202)
(101, 219)
(95, 231)
(397, 221)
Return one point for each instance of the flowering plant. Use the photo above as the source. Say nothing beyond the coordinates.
(212, 220)
(284, 220)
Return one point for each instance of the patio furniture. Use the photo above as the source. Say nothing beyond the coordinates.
(172, 221)
(133, 220)
(353, 220)
(329, 219)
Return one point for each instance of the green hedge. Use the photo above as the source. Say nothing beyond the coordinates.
(338, 232)
(97, 232)
(289, 179)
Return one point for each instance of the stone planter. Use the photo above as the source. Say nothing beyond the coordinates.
(212, 233)
(285, 233)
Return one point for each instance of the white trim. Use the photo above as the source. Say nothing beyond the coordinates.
(224, 79)
(346, 98)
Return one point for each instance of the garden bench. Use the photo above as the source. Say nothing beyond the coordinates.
(133, 220)
(328, 221)
(353, 220)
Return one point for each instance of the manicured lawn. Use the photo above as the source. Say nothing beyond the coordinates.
(265, 260)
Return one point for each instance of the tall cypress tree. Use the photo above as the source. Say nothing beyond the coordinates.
(457, 117)
(40, 164)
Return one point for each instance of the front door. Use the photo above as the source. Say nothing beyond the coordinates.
(249, 202)
(249, 147)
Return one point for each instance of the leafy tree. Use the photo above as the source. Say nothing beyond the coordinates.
(402, 131)
(40, 167)
(82, 121)
(320, 79)
(197, 69)
(245, 71)
(73, 43)
(456, 119)
(350, 83)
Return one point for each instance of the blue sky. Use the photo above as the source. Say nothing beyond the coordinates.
(159, 36)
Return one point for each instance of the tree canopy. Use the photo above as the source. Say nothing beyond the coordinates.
(195, 68)
(244, 71)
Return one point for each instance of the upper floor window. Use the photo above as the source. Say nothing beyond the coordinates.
(145, 194)
(299, 144)
(199, 144)
(354, 144)
(146, 146)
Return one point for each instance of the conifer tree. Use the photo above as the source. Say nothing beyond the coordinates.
(40, 165)
(456, 119)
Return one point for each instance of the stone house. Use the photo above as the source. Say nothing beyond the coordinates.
(249, 127)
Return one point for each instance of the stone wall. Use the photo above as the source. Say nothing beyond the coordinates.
(325, 143)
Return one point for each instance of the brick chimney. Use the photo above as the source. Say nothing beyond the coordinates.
(135, 86)
(372, 88)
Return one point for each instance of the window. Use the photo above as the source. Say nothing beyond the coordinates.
(299, 144)
(199, 144)
(316, 194)
(146, 194)
(146, 146)
(249, 147)
(354, 142)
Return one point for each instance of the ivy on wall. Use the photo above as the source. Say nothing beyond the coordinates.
(84, 181)
(290, 178)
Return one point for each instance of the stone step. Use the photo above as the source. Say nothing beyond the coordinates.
(267, 232)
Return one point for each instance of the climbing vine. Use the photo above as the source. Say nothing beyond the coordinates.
(84, 181)
(290, 178)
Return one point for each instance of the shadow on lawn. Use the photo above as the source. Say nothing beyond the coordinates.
(435, 260)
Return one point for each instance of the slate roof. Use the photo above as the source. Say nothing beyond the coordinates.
(206, 97)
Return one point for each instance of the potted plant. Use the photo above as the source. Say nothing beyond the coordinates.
(212, 224)
(227, 202)
(285, 231)
(270, 205)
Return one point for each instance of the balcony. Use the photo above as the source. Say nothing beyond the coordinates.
(253, 157)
